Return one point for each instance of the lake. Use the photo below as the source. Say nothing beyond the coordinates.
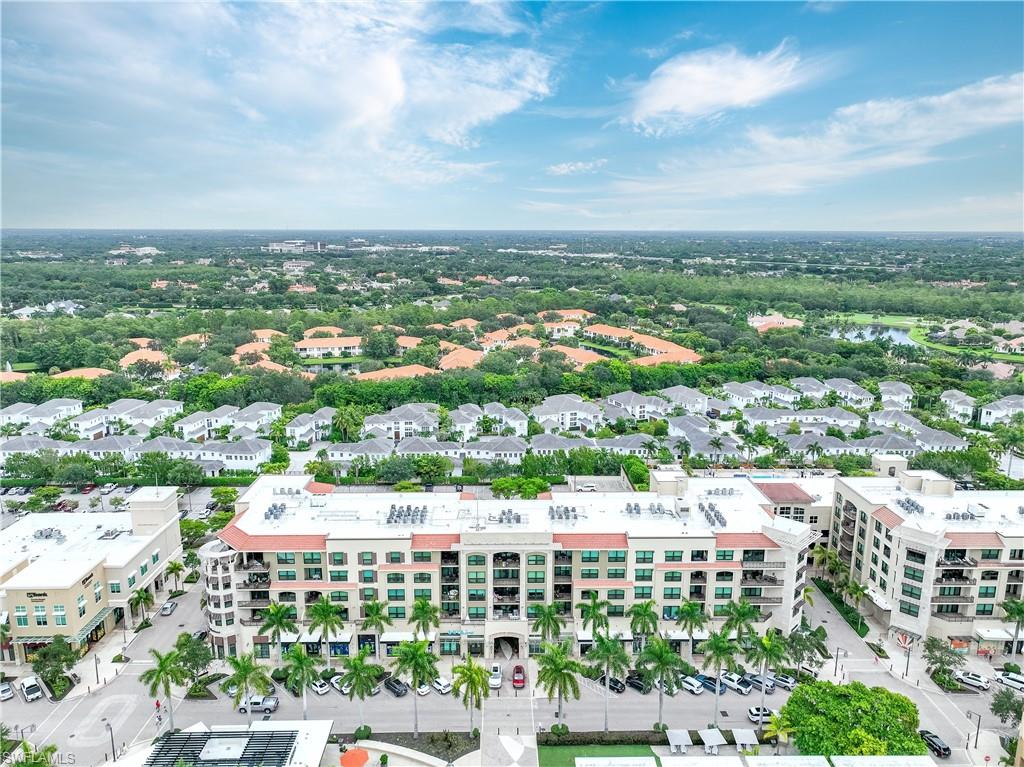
(872, 332)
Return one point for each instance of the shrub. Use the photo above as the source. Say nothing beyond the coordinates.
(363, 732)
(119, 658)
(192, 577)
(1011, 668)
(143, 625)
(559, 730)
(476, 733)
(598, 738)
(279, 675)
(878, 650)
(175, 594)
(328, 673)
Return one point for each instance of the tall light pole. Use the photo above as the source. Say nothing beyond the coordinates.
(113, 748)
(977, 732)
(845, 654)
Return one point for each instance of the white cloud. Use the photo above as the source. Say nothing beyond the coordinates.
(576, 168)
(701, 85)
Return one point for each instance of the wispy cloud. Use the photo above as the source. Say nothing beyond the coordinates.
(702, 85)
(576, 168)
(663, 49)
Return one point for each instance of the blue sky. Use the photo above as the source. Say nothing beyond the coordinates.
(833, 116)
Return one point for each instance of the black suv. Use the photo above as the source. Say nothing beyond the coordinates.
(935, 744)
(638, 682)
(615, 685)
(396, 686)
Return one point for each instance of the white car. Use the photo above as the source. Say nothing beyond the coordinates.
(586, 487)
(736, 683)
(1011, 680)
(691, 685)
(30, 688)
(442, 685)
(423, 689)
(972, 679)
(320, 687)
(6, 691)
(759, 715)
(668, 688)
(337, 685)
(494, 680)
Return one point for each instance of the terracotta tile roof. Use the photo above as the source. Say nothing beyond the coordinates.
(533, 343)
(887, 517)
(265, 334)
(319, 488)
(434, 541)
(142, 355)
(591, 540)
(784, 492)
(680, 355)
(744, 541)
(243, 541)
(567, 313)
(989, 540)
(341, 342)
(199, 338)
(87, 373)
(253, 347)
(460, 358)
(467, 322)
(388, 374)
(408, 342)
(545, 496)
(142, 342)
(602, 583)
(580, 357)
(465, 495)
(10, 376)
(332, 330)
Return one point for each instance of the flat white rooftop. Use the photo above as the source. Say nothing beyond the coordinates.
(60, 546)
(365, 515)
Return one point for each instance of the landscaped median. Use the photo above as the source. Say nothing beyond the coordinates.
(850, 614)
(565, 756)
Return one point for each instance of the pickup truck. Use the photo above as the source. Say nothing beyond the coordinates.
(266, 703)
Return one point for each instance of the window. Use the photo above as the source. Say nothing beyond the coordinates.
(616, 611)
(699, 555)
(21, 616)
(913, 574)
(311, 557)
(477, 576)
(394, 557)
(876, 542)
(589, 572)
(1016, 553)
(155, 557)
(642, 592)
(986, 592)
(476, 613)
(724, 555)
(421, 556)
(985, 609)
(366, 558)
(396, 595)
(911, 591)
(643, 574)
(723, 592)
(115, 587)
(476, 595)
(535, 559)
(59, 618)
(396, 612)
(990, 553)
(909, 608)
(673, 576)
(874, 558)
(535, 595)
(396, 577)
(337, 558)
(534, 576)
(476, 560)
(97, 591)
(718, 611)
(286, 575)
(143, 568)
(421, 578)
(366, 576)
(617, 556)
(618, 573)
(644, 557)
(286, 559)
(673, 556)
(914, 556)
(670, 612)
(672, 592)
(339, 575)
(314, 573)
(616, 594)
(563, 571)
(754, 555)
(590, 556)
(878, 526)
(990, 575)
(339, 596)
(40, 614)
(751, 591)
(723, 577)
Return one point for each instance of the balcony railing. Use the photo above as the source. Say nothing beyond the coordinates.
(957, 562)
(251, 621)
(254, 603)
(955, 579)
(774, 565)
(255, 565)
(961, 598)
(953, 617)
(760, 580)
(764, 600)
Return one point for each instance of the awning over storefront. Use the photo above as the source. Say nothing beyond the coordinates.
(96, 620)
(993, 634)
(624, 636)
(676, 635)
(342, 636)
(394, 637)
(879, 600)
(582, 635)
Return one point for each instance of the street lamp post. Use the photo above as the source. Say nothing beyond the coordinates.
(845, 654)
(977, 732)
(113, 748)
(96, 659)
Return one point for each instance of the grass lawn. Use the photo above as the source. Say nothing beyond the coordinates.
(892, 320)
(919, 335)
(614, 351)
(24, 367)
(565, 756)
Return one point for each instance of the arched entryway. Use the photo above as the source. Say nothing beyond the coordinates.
(507, 647)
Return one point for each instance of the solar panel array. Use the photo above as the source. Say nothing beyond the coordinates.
(262, 749)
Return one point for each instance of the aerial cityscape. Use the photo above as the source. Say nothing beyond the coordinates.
(512, 384)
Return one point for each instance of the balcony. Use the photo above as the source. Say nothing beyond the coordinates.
(255, 566)
(505, 582)
(563, 579)
(962, 562)
(254, 603)
(506, 599)
(961, 598)
(698, 578)
(257, 622)
(953, 617)
(849, 524)
(760, 580)
(770, 565)
(252, 583)
(764, 600)
(956, 579)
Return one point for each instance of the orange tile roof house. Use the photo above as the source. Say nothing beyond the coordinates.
(329, 347)
(10, 376)
(253, 347)
(460, 358)
(448, 281)
(408, 342)
(194, 338)
(170, 370)
(437, 326)
(142, 343)
(329, 330)
(468, 323)
(301, 288)
(680, 356)
(764, 323)
(572, 314)
(562, 329)
(88, 374)
(389, 374)
(579, 357)
(265, 334)
(658, 350)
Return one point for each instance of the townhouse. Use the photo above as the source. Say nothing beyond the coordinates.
(567, 412)
(203, 425)
(1002, 410)
(852, 394)
(310, 427)
(470, 420)
(333, 346)
(690, 400)
(417, 447)
(640, 407)
(896, 395)
(373, 449)
(811, 388)
(558, 330)
(242, 455)
(46, 414)
(489, 564)
(959, 406)
(123, 416)
(925, 437)
(549, 444)
(257, 417)
(412, 420)
(815, 445)
(742, 395)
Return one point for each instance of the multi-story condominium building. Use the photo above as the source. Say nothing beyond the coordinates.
(72, 574)
(203, 425)
(895, 394)
(241, 455)
(336, 346)
(811, 388)
(960, 406)
(468, 419)
(567, 412)
(487, 564)
(641, 407)
(690, 400)
(1000, 411)
(937, 561)
(417, 419)
(310, 427)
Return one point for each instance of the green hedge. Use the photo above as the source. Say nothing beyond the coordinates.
(850, 614)
(618, 738)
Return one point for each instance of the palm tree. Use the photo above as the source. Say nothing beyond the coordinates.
(167, 670)
(376, 619)
(556, 673)
(31, 756)
(661, 663)
(740, 617)
(808, 595)
(719, 653)
(1012, 442)
(610, 657)
(547, 622)
(416, 660)
(278, 620)
(778, 727)
(691, 618)
(767, 652)
(1013, 610)
(815, 451)
(716, 443)
(424, 616)
(325, 616)
(175, 569)
(856, 591)
(643, 619)
(141, 599)
(247, 676)
(469, 679)
(594, 612)
(359, 677)
(301, 669)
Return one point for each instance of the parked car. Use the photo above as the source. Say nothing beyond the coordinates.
(442, 685)
(108, 488)
(759, 714)
(736, 683)
(6, 691)
(232, 690)
(638, 682)
(1010, 679)
(972, 679)
(86, 489)
(423, 689)
(935, 744)
(168, 607)
(320, 687)
(615, 685)
(396, 686)
(691, 684)
(211, 505)
(759, 682)
(31, 688)
(199, 635)
(494, 680)
(586, 487)
(710, 683)
(785, 681)
(3, 490)
(519, 677)
(266, 703)
(668, 688)
(337, 685)
(811, 671)
(131, 489)
(382, 678)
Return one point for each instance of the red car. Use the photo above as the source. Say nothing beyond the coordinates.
(519, 677)
(88, 489)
